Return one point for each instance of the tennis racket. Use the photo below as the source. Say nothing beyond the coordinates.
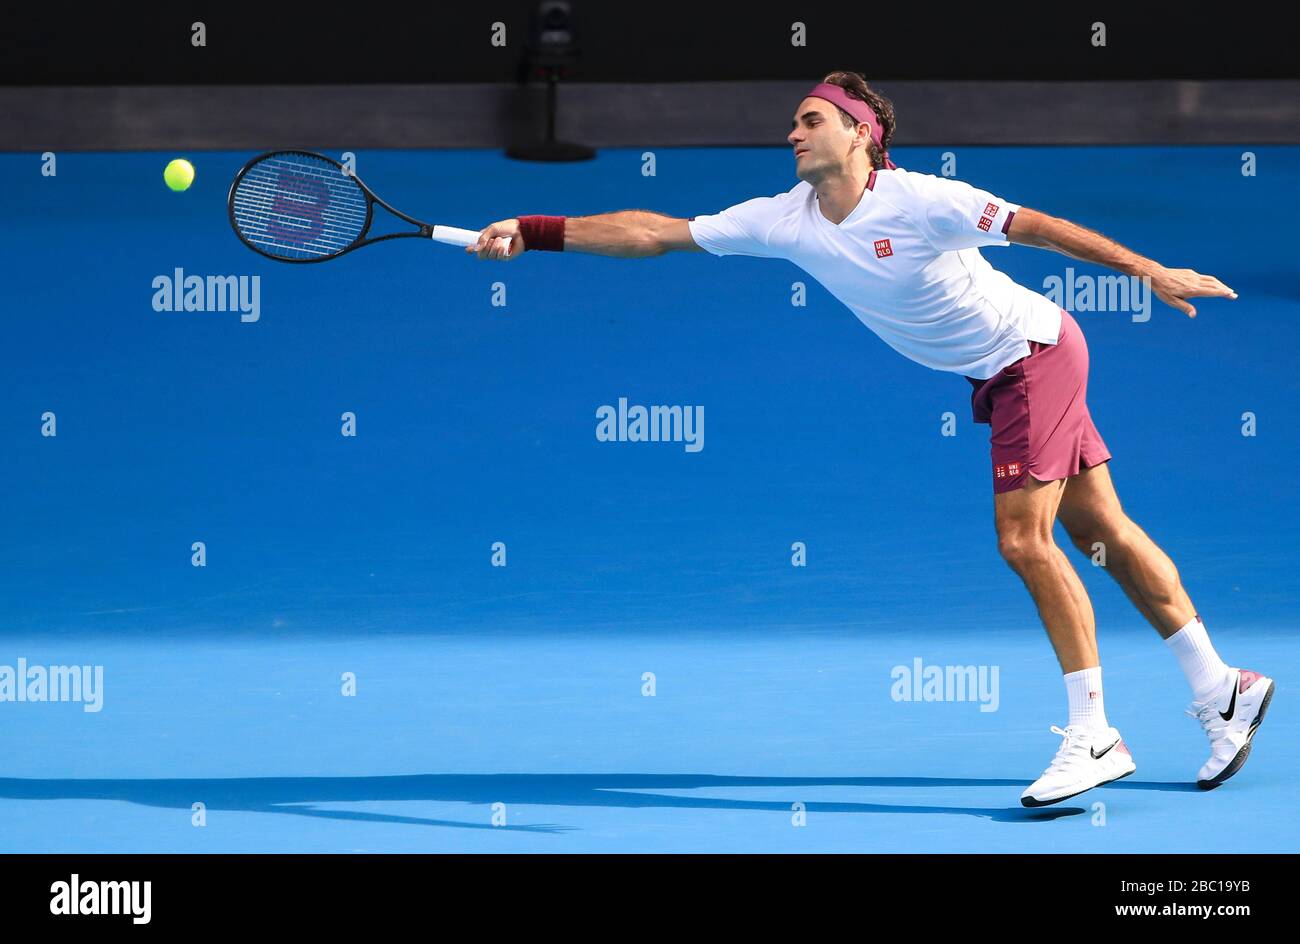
(297, 206)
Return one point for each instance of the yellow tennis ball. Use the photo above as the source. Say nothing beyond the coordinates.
(179, 174)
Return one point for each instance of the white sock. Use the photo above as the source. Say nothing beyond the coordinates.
(1205, 671)
(1087, 708)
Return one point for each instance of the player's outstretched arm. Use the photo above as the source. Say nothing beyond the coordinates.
(627, 233)
(1171, 286)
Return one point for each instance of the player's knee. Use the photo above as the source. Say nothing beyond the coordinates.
(1086, 541)
(1023, 546)
(1108, 534)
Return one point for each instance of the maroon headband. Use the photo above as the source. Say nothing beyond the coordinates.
(859, 109)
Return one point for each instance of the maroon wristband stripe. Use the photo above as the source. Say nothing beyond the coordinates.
(542, 232)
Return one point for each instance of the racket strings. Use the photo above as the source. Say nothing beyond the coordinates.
(297, 206)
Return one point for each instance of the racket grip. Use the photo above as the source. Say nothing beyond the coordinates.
(455, 236)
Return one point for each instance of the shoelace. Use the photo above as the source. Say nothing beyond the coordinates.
(1068, 753)
(1209, 717)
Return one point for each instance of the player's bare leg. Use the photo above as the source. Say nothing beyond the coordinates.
(1091, 514)
(1024, 520)
(1092, 753)
(1228, 702)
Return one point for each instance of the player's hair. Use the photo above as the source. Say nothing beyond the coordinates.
(855, 85)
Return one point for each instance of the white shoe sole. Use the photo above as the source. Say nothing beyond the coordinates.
(1034, 802)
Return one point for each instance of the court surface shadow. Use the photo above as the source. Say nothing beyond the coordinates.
(302, 796)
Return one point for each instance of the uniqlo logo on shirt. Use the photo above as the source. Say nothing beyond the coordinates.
(991, 209)
(985, 223)
(883, 248)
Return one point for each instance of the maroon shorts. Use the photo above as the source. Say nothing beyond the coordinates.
(1038, 411)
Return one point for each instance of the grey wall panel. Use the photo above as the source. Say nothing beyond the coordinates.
(635, 115)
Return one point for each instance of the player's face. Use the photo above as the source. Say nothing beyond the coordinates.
(819, 138)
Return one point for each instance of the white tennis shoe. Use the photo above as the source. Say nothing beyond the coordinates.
(1087, 758)
(1230, 719)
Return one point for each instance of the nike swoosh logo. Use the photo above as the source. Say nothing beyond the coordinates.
(1232, 705)
(1096, 756)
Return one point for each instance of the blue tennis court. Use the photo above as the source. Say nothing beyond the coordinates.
(352, 668)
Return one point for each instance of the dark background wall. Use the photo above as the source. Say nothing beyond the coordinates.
(660, 41)
(663, 73)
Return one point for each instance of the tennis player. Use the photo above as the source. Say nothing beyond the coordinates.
(901, 250)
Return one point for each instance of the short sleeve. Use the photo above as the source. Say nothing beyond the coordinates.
(741, 230)
(956, 215)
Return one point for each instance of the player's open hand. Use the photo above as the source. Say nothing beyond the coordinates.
(1175, 286)
(500, 241)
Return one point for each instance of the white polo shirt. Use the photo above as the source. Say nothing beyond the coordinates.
(906, 262)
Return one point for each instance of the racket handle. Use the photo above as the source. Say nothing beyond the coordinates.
(454, 235)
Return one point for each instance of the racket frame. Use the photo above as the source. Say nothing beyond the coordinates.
(425, 229)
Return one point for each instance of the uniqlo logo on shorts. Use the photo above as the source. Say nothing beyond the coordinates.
(1007, 471)
(991, 209)
(883, 248)
(985, 223)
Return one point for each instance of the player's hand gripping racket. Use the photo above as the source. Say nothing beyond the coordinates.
(296, 206)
